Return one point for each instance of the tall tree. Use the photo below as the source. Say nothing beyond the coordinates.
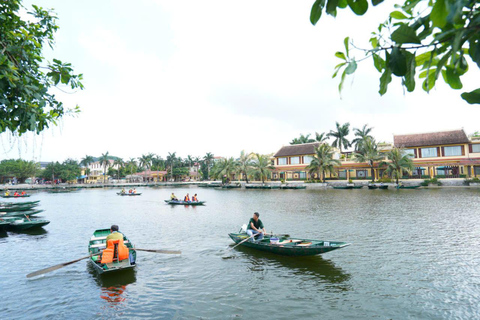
(302, 139)
(86, 161)
(208, 159)
(245, 164)
(398, 164)
(323, 161)
(131, 164)
(321, 137)
(104, 162)
(120, 163)
(26, 103)
(340, 136)
(369, 154)
(262, 166)
(432, 37)
(171, 158)
(145, 161)
(361, 135)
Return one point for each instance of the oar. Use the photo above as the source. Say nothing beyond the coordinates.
(253, 235)
(58, 266)
(159, 251)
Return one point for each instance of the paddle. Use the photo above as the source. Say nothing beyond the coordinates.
(159, 251)
(253, 235)
(58, 266)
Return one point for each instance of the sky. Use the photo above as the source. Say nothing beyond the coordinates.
(221, 76)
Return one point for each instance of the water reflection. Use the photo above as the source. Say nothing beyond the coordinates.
(32, 232)
(113, 285)
(307, 268)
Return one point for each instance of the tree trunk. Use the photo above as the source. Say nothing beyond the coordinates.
(246, 177)
(373, 174)
(323, 176)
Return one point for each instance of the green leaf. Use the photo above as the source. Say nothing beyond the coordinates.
(405, 34)
(316, 11)
(474, 50)
(351, 67)
(472, 97)
(439, 13)
(429, 82)
(385, 79)
(398, 15)
(345, 42)
(375, 2)
(410, 74)
(452, 78)
(331, 8)
(337, 68)
(423, 58)
(374, 42)
(378, 62)
(359, 7)
(398, 62)
(342, 4)
(340, 55)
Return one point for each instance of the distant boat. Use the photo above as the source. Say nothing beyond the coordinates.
(128, 194)
(185, 203)
(374, 186)
(12, 196)
(407, 187)
(231, 186)
(347, 187)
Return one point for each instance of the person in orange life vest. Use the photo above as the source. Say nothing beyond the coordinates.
(134, 190)
(194, 198)
(108, 253)
(16, 194)
(23, 193)
(187, 198)
(130, 191)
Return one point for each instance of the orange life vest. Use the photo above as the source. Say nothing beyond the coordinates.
(16, 194)
(115, 251)
(187, 198)
(23, 193)
(194, 199)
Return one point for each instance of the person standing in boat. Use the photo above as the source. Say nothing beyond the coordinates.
(255, 226)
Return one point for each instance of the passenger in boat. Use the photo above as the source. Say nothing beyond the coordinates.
(123, 191)
(16, 194)
(187, 198)
(255, 226)
(134, 190)
(114, 234)
(7, 193)
(23, 193)
(130, 191)
(194, 198)
(173, 197)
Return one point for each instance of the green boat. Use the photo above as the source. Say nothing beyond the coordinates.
(98, 242)
(231, 186)
(16, 208)
(21, 224)
(185, 203)
(128, 194)
(23, 203)
(287, 246)
(257, 186)
(293, 187)
(12, 196)
(4, 224)
(20, 213)
(347, 187)
(407, 187)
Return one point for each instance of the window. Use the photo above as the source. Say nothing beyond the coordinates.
(410, 152)
(282, 161)
(476, 148)
(342, 173)
(429, 152)
(308, 159)
(476, 170)
(453, 151)
(303, 175)
(294, 160)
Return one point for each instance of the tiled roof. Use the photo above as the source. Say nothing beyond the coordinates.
(430, 139)
(297, 149)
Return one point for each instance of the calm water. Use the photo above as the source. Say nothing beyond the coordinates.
(414, 255)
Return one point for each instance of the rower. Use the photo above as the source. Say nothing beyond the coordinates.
(114, 234)
(187, 198)
(194, 198)
(116, 249)
(255, 226)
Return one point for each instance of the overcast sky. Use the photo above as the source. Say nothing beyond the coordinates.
(221, 76)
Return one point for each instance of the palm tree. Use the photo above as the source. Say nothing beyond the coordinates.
(262, 166)
(321, 137)
(86, 162)
(145, 161)
(245, 164)
(323, 161)
(120, 163)
(302, 139)
(340, 136)
(104, 162)
(369, 154)
(171, 157)
(131, 164)
(361, 135)
(224, 168)
(208, 158)
(158, 163)
(399, 163)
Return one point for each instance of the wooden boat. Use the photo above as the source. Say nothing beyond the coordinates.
(231, 186)
(407, 187)
(185, 203)
(383, 187)
(293, 187)
(23, 203)
(19, 213)
(289, 246)
(128, 194)
(12, 196)
(347, 187)
(258, 186)
(98, 242)
(372, 186)
(4, 224)
(16, 208)
(21, 224)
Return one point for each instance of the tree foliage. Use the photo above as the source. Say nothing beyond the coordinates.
(420, 40)
(18, 168)
(323, 161)
(26, 103)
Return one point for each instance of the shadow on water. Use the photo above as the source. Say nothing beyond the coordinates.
(311, 267)
(113, 285)
(34, 232)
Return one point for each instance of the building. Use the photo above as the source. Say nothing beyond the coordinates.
(444, 154)
(95, 170)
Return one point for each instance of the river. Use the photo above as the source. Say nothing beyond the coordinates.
(414, 254)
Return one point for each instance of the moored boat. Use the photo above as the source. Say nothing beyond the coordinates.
(257, 186)
(185, 203)
(19, 213)
(289, 246)
(23, 203)
(293, 187)
(128, 194)
(372, 186)
(16, 208)
(98, 242)
(21, 224)
(407, 187)
(231, 186)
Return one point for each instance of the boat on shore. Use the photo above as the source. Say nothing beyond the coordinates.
(128, 194)
(185, 203)
(97, 243)
(288, 246)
